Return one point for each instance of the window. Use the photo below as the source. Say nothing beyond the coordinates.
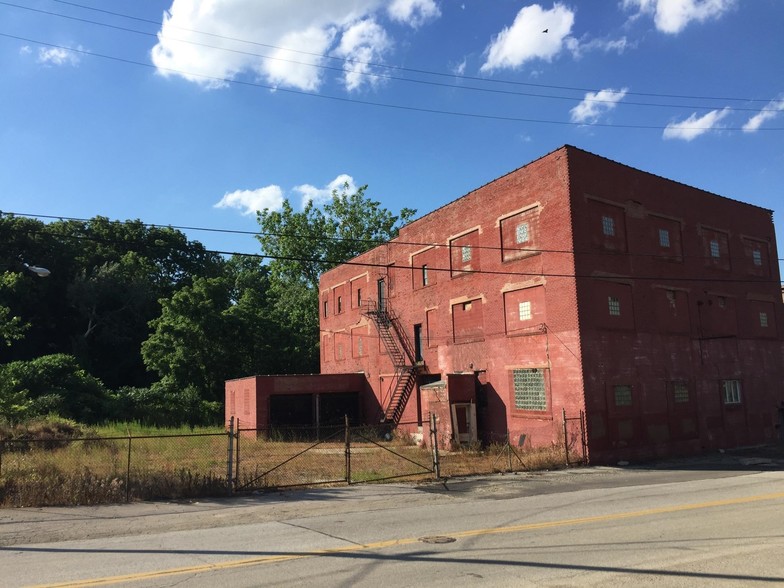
(715, 250)
(424, 275)
(614, 305)
(467, 305)
(359, 297)
(608, 226)
(623, 395)
(465, 253)
(326, 308)
(360, 350)
(524, 310)
(664, 238)
(763, 318)
(680, 392)
(731, 389)
(340, 304)
(521, 233)
(756, 257)
(529, 389)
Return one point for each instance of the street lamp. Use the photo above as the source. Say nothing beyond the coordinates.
(41, 272)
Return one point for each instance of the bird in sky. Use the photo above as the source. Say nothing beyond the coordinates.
(544, 31)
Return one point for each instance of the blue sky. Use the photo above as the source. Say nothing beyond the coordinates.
(198, 112)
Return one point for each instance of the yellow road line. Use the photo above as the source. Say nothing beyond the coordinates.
(410, 540)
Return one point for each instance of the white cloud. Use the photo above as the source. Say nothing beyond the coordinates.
(596, 104)
(301, 33)
(693, 127)
(25, 50)
(249, 201)
(322, 195)
(414, 13)
(363, 43)
(525, 40)
(57, 56)
(771, 111)
(672, 16)
(460, 68)
(618, 46)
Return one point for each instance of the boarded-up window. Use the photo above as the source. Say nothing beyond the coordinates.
(467, 321)
(623, 395)
(424, 265)
(716, 248)
(672, 310)
(519, 234)
(464, 253)
(524, 310)
(607, 223)
(431, 319)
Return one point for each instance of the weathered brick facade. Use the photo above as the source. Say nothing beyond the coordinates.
(576, 284)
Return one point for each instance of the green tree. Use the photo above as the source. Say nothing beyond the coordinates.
(214, 330)
(303, 245)
(11, 327)
(52, 384)
(106, 282)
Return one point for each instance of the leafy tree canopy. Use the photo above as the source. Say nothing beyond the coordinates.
(303, 245)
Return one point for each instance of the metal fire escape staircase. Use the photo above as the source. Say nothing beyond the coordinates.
(400, 351)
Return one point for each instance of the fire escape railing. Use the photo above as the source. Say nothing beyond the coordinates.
(400, 351)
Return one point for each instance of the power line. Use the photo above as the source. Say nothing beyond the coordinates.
(377, 242)
(375, 74)
(368, 102)
(388, 268)
(395, 67)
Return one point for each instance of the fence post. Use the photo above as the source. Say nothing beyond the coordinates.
(230, 456)
(583, 439)
(566, 439)
(128, 471)
(237, 458)
(348, 452)
(434, 445)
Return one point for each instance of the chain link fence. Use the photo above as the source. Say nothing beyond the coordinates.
(95, 470)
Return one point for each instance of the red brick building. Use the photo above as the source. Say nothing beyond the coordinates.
(572, 284)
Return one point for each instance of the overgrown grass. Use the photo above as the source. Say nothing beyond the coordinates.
(57, 465)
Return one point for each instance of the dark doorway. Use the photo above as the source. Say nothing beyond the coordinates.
(382, 294)
(333, 409)
(418, 342)
(291, 410)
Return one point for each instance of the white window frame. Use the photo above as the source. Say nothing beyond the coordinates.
(424, 275)
(524, 310)
(465, 253)
(731, 391)
(756, 256)
(664, 238)
(715, 249)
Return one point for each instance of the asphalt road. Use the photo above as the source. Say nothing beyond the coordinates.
(686, 523)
